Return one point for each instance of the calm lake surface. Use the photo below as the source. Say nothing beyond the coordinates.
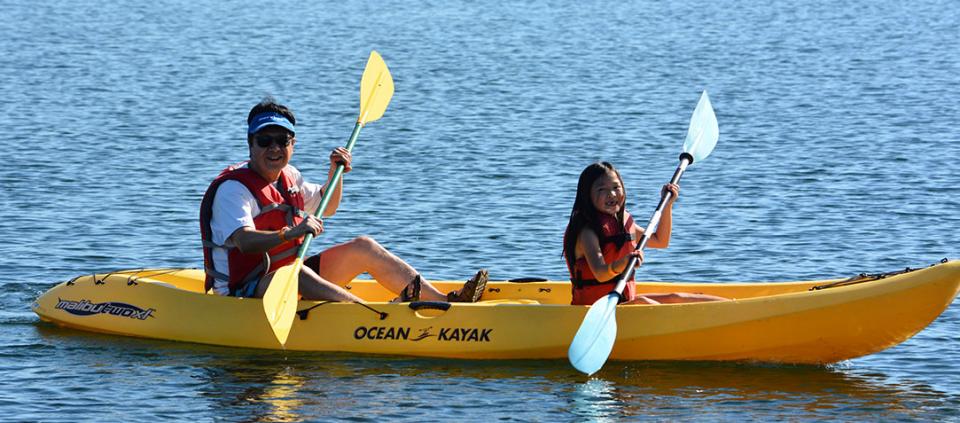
(838, 155)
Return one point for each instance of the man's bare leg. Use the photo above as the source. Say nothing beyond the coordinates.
(342, 263)
(312, 287)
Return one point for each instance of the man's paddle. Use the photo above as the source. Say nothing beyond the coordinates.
(594, 340)
(280, 300)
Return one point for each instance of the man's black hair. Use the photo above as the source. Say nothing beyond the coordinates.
(269, 104)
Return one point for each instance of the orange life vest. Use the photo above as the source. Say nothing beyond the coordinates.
(616, 241)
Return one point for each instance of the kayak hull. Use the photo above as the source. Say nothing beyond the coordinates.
(782, 322)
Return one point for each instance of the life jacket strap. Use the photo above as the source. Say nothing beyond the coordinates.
(580, 283)
(218, 275)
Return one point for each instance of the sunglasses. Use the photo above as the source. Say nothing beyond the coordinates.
(265, 141)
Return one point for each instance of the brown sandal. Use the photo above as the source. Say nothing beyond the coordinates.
(472, 291)
(411, 293)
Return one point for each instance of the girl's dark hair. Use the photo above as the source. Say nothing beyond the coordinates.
(584, 214)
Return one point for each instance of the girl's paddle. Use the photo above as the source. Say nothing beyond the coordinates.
(594, 340)
(280, 300)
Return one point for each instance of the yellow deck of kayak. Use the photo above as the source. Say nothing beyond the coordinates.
(783, 322)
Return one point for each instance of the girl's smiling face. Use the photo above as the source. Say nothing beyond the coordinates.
(607, 194)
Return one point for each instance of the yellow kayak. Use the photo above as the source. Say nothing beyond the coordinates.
(815, 322)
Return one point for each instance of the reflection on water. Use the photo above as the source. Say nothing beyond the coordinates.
(597, 400)
(254, 385)
(723, 390)
(264, 394)
(281, 395)
(324, 385)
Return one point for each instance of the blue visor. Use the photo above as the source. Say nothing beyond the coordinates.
(266, 119)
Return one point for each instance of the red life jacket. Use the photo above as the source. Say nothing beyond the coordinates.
(278, 208)
(616, 241)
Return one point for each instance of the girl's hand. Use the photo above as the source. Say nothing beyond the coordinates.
(626, 260)
(340, 156)
(673, 189)
(638, 254)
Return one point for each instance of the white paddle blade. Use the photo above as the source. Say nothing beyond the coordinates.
(704, 132)
(594, 340)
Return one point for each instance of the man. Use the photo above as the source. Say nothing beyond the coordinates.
(254, 216)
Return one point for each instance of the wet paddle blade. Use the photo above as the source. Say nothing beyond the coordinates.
(376, 89)
(594, 340)
(280, 300)
(703, 132)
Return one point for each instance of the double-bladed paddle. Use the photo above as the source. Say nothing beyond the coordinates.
(280, 300)
(594, 340)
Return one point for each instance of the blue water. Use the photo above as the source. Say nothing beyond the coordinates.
(837, 156)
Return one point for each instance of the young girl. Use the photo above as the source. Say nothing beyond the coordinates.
(602, 237)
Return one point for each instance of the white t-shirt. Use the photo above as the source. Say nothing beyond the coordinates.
(234, 207)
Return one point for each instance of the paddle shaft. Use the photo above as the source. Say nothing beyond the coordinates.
(337, 174)
(685, 160)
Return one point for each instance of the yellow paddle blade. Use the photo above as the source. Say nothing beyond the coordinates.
(376, 89)
(280, 300)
